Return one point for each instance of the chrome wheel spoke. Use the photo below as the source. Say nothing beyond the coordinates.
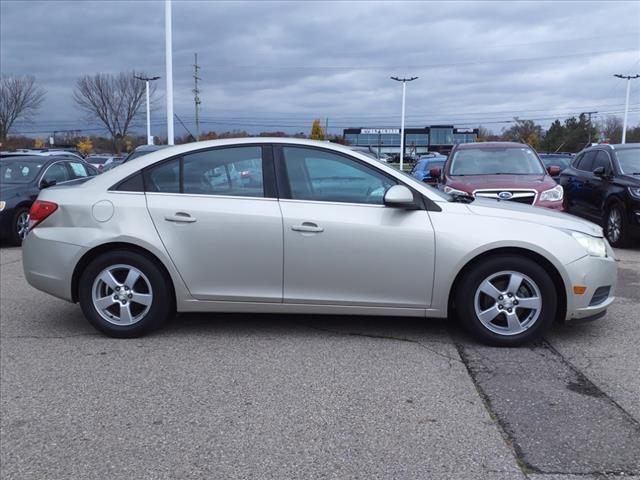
(125, 314)
(132, 278)
(142, 298)
(513, 322)
(486, 316)
(108, 278)
(514, 283)
(533, 303)
(104, 302)
(488, 288)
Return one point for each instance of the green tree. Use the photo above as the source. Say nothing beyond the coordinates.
(553, 137)
(578, 133)
(317, 132)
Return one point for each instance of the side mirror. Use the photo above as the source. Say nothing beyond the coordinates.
(399, 196)
(599, 172)
(45, 183)
(554, 170)
(435, 173)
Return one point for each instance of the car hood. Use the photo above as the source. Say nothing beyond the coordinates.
(505, 209)
(469, 183)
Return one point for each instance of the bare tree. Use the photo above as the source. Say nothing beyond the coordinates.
(20, 98)
(611, 129)
(111, 100)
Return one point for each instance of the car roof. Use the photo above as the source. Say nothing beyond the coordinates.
(150, 148)
(44, 159)
(474, 145)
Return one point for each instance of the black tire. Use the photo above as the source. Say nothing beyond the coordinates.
(162, 304)
(465, 300)
(617, 238)
(18, 217)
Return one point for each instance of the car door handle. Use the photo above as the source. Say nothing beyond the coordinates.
(180, 217)
(307, 227)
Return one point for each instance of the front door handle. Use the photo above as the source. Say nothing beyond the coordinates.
(307, 227)
(180, 217)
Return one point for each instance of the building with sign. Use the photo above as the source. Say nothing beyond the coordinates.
(436, 138)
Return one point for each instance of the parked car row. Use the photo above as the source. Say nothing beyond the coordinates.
(601, 183)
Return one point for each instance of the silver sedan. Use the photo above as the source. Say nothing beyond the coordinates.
(296, 226)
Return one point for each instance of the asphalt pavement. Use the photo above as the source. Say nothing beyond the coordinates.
(292, 397)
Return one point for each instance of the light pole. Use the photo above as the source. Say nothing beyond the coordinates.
(626, 105)
(404, 92)
(147, 80)
(169, 66)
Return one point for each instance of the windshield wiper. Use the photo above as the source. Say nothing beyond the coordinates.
(460, 198)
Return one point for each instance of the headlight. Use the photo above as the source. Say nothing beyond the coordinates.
(552, 195)
(595, 246)
(454, 191)
(634, 191)
(2, 205)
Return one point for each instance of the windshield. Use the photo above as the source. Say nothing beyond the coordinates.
(496, 161)
(19, 171)
(629, 160)
(551, 161)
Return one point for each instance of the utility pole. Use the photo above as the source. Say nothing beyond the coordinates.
(628, 78)
(589, 120)
(169, 66)
(147, 80)
(196, 96)
(404, 92)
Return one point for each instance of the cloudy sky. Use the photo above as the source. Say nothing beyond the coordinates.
(277, 65)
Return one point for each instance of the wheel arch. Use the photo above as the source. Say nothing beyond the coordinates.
(553, 272)
(95, 252)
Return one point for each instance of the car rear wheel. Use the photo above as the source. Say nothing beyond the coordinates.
(124, 294)
(615, 227)
(506, 301)
(20, 226)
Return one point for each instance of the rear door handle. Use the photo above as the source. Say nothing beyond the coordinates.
(307, 227)
(180, 217)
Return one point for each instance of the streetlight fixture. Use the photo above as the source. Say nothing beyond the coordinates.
(404, 92)
(168, 55)
(147, 80)
(628, 78)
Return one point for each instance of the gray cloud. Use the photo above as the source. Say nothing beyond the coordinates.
(277, 65)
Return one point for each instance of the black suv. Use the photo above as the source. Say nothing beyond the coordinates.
(603, 184)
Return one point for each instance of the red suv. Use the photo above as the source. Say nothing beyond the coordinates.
(500, 170)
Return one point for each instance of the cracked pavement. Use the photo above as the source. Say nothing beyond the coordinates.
(273, 396)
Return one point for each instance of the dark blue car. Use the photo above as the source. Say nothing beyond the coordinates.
(424, 164)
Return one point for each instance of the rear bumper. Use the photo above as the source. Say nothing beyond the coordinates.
(48, 265)
(592, 273)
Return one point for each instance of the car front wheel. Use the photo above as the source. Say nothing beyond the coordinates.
(506, 300)
(124, 294)
(616, 226)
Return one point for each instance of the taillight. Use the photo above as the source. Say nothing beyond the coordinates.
(39, 211)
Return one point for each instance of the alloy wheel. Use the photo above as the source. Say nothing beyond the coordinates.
(22, 225)
(122, 294)
(508, 303)
(614, 225)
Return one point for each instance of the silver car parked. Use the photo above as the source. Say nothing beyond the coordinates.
(295, 226)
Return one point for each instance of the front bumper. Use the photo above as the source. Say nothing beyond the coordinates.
(48, 265)
(593, 273)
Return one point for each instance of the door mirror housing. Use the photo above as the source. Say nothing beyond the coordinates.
(554, 170)
(600, 172)
(399, 196)
(435, 173)
(47, 182)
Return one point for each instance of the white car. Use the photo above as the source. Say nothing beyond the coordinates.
(295, 226)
